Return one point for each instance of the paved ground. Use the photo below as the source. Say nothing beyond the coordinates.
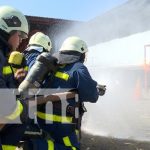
(90, 142)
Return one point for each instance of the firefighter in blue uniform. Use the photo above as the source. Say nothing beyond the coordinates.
(13, 28)
(18, 64)
(38, 43)
(72, 74)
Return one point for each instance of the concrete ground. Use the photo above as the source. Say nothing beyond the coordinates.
(90, 142)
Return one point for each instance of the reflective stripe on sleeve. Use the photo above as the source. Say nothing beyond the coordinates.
(50, 145)
(17, 112)
(7, 70)
(67, 142)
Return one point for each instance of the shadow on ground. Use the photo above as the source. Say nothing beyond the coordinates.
(90, 142)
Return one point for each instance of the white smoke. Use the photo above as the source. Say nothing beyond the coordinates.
(124, 111)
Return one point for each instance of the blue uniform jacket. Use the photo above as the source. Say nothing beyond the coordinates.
(31, 57)
(79, 79)
(7, 81)
(74, 76)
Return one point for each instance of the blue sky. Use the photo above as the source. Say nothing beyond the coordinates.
(82, 10)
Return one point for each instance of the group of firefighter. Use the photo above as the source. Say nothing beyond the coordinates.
(60, 125)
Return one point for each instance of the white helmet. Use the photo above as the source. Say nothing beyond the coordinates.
(74, 43)
(41, 39)
(12, 19)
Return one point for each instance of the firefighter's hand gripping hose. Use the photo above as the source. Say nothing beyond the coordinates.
(101, 89)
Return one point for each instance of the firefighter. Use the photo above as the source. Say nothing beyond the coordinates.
(18, 64)
(13, 28)
(38, 43)
(72, 74)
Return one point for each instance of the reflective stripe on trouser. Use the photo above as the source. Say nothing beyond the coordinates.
(67, 142)
(57, 146)
(78, 134)
(55, 118)
(8, 147)
(50, 145)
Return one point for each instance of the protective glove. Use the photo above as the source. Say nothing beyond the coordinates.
(20, 74)
(101, 89)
